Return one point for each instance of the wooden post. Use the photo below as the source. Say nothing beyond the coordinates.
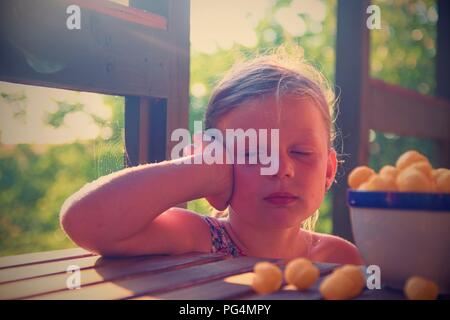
(352, 72)
(443, 69)
(159, 115)
(179, 60)
(144, 117)
(132, 114)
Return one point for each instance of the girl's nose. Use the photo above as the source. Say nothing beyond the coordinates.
(285, 167)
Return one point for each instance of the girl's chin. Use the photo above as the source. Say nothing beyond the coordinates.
(274, 215)
(282, 217)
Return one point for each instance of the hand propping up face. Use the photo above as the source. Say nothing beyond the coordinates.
(211, 153)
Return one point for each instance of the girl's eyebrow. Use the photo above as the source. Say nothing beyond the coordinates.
(308, 134)
(311, 140)
(308, 131)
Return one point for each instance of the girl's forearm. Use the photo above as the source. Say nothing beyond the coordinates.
(119, 205)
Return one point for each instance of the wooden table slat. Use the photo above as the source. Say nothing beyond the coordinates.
(286, 293)
(199, 276)
(226, 288)
(290, 293)
(108, 269)
(162, 282)
(60, 266)
(383, 294)
(53, 267)
(40, 257)
(232, 287)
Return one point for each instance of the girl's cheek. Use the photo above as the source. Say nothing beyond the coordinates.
(247, 175)
(248, 170)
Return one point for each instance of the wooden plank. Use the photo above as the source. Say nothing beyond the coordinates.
(289, 292)
(352, 72)
(53, 267)
(107, 271)
(40, 257)
(381, 294)
(144, 117)
(132, 131)
(157, 283)
(145, 130)
(162, 116)
(232, 287)
(398, 110)
(107, 55)
(226, 288)
(178, 97)
(443, 50)
(160, 7)
(157, 131)
(125, 13)
(443, 68)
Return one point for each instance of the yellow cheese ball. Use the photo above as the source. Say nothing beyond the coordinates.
(293, 266)
(443, 182)
(365, 187)
(268, 277)
(437, 172)
(423, 166)
(413, 180)
(379, 183)
(408, 158)
(337, 287)
(355, 274)
(344, 283)
(419, 288)
(301, 273)
(390, 183)
(388, 171)
(359, 175)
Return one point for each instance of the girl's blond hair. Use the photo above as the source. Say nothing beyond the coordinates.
(282, 72)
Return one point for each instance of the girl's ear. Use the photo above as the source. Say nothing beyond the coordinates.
(331, 168)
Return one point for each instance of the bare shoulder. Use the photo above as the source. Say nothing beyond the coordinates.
(174, 231)
(334, 249)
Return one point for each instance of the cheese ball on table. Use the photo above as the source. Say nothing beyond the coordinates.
(268, 278)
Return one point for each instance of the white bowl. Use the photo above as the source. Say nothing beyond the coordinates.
(405, 234)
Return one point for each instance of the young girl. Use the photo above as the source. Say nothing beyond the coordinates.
(131, 212)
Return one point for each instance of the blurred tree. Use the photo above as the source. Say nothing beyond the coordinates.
(36, 179)
(403, 53)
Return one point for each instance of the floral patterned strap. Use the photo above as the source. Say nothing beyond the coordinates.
(221, 240)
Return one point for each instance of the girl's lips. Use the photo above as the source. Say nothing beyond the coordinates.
(281, 198)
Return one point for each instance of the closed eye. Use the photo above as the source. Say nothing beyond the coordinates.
(302, 153)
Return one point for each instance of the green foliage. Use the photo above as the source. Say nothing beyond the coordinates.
(55, 119)
(403, 53)
(200, 206)
(36, 179)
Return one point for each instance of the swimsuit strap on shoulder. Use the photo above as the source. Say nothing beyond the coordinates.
(221, 240)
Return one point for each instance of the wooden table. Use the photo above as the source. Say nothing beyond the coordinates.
(189, 276)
